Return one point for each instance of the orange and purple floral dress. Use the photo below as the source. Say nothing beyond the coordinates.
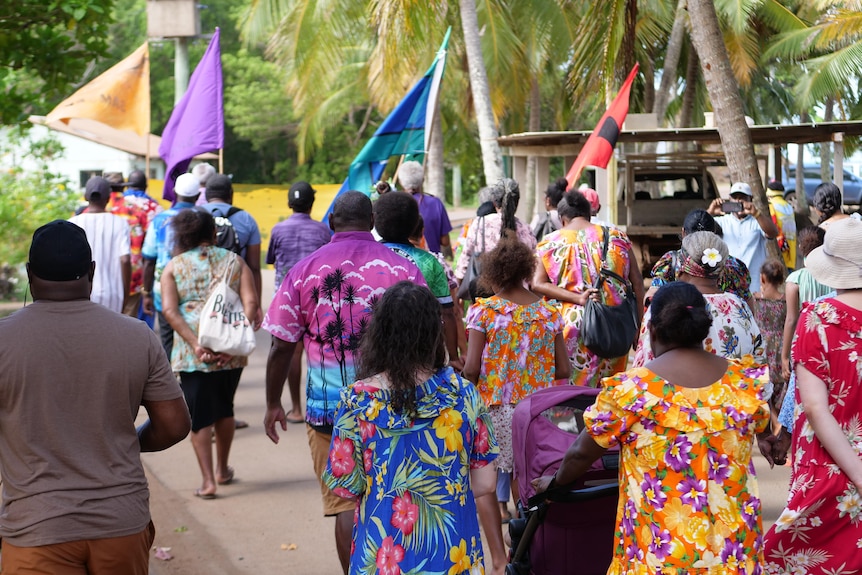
(688, 502)
(411, 476)
(572, 260)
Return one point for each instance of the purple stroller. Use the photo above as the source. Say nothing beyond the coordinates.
(574, 533)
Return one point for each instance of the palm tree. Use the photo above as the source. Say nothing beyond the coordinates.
(726, 102)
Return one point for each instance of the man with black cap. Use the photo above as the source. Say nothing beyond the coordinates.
(139, 209)
(108, 235)
(219, 192)
(73, 376)
(158, 250)
(290, 241)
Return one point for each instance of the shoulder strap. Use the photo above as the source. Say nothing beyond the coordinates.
(233, 210)
(607, 238)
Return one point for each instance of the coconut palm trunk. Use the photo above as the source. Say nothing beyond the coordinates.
(532, 196)
(435, 175)
(726, 101)
(492, 157)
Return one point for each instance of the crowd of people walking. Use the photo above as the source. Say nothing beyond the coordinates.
(417, 353)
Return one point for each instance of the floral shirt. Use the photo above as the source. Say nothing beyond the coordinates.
(733, 334)
(138, 209)
(196, 273)
(411, 476)
(490, 227)
(688, 500)
(733, 278)
(518, 358)
(820, 530)
(572, 259)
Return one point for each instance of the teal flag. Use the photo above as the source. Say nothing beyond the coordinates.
(405, 132)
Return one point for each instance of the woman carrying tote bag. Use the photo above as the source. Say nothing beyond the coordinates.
(208, 379)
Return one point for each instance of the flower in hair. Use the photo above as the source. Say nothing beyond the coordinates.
(711, 257)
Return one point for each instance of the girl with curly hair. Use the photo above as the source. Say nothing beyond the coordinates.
(515, 342)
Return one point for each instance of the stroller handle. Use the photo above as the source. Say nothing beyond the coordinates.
(561, 494)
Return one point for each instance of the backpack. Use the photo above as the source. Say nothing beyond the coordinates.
(226, 236)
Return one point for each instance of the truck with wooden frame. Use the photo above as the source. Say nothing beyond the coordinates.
(652, 193)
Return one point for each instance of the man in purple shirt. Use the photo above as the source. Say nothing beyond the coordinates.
(292, 240)
(325, 301)
(437, 226)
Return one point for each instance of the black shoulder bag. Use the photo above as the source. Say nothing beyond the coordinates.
(609, 330)
(467, 289)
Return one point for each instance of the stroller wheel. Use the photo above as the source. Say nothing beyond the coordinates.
(512, 570)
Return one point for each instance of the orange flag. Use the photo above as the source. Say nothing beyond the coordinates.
(600, 145)
(119, 98)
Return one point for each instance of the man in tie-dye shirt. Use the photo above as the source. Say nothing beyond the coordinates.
(325, 301)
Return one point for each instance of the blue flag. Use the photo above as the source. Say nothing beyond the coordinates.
(405, 132)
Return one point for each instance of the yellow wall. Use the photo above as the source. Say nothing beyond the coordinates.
(267, 203)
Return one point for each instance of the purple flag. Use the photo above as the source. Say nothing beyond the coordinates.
(197, 122)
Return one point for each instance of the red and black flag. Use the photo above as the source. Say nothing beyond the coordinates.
(600, 145)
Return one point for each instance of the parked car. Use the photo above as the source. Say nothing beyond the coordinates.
(811, 179)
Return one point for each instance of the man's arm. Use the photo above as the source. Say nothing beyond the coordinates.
(169, 423)
(277, 365)
(764, 220)
(149, 282)
(252, 258)
(126, 270)
(450, 333)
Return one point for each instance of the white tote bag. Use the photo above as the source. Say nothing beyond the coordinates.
(223, 326)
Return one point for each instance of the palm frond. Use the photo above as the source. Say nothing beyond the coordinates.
(828, 75)
(737, 14)
(841, 27)
(779, 17)
(792, 45)
(743, 51)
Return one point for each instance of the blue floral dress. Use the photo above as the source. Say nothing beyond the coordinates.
(411, 477)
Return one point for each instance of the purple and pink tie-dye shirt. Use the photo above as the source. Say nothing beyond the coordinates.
(325, 300)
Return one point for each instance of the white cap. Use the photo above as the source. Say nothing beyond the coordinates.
(741, 188)
(187, 186)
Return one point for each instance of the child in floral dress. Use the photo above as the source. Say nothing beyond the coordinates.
(515, 344)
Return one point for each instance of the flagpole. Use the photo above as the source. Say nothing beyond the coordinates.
(221, 160)
(147, 159)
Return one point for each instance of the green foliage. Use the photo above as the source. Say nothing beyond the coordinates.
(29, 196)
(46, 48)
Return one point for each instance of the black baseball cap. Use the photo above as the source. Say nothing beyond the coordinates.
(99, 187)
(60, 252)
(301, 195)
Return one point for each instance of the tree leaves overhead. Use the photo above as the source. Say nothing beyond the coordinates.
(46, 48)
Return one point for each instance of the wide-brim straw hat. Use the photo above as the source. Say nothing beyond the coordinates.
(838, 262)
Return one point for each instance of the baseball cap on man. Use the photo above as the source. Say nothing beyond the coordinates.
(741, 188)
(99, 187)
(301, 196)
(187, 186)
(60, 252)
(137, 180)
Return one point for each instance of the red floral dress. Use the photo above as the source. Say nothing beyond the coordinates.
(820, 530)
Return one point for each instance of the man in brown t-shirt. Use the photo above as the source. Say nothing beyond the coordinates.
(73, 375)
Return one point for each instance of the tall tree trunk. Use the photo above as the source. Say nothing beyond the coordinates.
(727, 103)
(826, 147)
(627, 47)
(649, 81)
(671, 62)
(492, 157)
(688, 97)
(530, 200)
(801, 198)
(435, 173)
